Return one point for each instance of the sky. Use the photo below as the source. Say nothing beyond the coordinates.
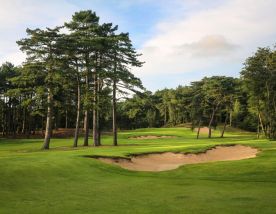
(180, 40)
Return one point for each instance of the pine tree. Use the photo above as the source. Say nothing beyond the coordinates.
(83, 28)
(43, 51)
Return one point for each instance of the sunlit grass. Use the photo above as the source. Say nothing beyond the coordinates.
(62, 180)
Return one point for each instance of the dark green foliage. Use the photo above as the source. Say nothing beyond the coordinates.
(68, 75)
(82, 78)
(259, 77)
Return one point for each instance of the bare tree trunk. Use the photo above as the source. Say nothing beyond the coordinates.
(224, 127)
(95, 112)
(165, 116)
(49, 120)
(271, 134)
(66, 118)
(24, 121)
(198, 129)
(98, 113)
(230, 121)
(86, 128)
(84, 122)
(114, 114)
(9, 117)
(18, 117)
(210, 123)
(86, 115)
(261, 123)
(78, 115)
(258, 129)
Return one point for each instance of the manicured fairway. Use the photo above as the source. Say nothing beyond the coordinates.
(62, 180)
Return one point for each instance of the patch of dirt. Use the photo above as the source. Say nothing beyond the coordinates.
(204, 130)
(151, 137)
(169, 160)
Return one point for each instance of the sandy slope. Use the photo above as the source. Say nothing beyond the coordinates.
(168, 160)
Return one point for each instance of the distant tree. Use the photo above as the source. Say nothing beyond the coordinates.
(218, 91)
(163, 103)
(259, 78)
(198, 105)
(8, 101)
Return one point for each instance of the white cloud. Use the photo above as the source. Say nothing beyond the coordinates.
(192, 36)
(17, 15)
(14, 13)
(218, 37)
(208, 46)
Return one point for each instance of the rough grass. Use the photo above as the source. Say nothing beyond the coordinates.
(62, 180)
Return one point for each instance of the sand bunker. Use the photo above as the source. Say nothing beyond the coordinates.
(151, 137)
(168, 160)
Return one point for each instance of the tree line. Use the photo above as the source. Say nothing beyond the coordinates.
(72, 70)
(79, 75)
(248, 102)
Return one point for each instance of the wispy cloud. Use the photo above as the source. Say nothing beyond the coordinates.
(213, 40)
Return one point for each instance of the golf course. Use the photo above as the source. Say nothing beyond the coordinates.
(137, 107)
(65, 180)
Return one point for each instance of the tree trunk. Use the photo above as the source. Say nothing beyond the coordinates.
(24, 121)
(258, 129)
(86, 115)
(49, 120)
(210, 123)
(98, 113)
(165, 116)
(198, 129)
(114, 114)
(261, 123)
(86, 128)
(224, 127)
(78, 115)
(9, 117)
(271, 134)
(66, 118)
(230, 121)
(95, 112)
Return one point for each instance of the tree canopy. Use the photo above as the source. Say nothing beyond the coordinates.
(79, 76)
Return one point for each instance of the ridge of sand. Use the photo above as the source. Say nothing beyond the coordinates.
(144, 137)
(169, 160)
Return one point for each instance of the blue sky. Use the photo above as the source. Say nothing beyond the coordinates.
(181, 40)
(137, 18)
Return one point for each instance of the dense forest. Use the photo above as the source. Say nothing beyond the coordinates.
(79, 76)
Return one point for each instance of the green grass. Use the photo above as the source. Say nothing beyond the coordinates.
(63, 181)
